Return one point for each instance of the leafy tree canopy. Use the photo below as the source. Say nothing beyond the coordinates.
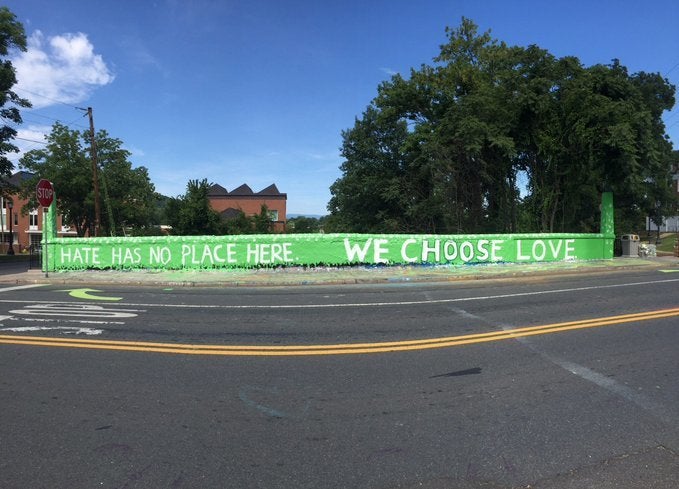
(128, 196)
(304, 224)
(12, 37)
(498, 138)
(190, 214)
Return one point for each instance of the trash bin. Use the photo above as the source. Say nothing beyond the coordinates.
(630, 245)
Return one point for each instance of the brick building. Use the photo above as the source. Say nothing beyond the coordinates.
(24, 222)
(27, 223)
(229, 204)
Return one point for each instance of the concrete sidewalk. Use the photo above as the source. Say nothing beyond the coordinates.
(333, 275)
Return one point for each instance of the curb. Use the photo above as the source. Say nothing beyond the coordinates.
(334, 276)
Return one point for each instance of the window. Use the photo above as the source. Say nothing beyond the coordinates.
(273, 215)
(33, 220)
(65, 228)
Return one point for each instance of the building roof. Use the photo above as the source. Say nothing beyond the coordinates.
(244, 190)
(270, 190)
(216, 190)
(16, 179)
(231, 213)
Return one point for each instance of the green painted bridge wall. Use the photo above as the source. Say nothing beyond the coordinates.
(247, 251)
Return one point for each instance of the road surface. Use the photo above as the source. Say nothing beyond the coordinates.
(561, 382)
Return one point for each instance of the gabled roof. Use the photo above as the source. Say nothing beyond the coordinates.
(242, 190)
(216, 190)
(16, 179)
(270, 190)
(230, 213)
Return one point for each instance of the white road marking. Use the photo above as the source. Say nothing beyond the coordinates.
(607, 383)
(58, 320)
(271, 412)
(74, 310)
(350, 304)
(367, 304)
(611, 385)
(21, 287)
(59, 329)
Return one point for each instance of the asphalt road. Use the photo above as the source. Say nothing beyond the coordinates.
(562, 382)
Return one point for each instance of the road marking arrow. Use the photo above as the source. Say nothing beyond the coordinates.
(86, 294)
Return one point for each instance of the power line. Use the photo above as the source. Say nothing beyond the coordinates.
(671, 116)
(672, 69)
(48, 98)
(30, 140)
(31, 113)
(37, 114)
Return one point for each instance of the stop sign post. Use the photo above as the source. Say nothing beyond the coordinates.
(45, 192)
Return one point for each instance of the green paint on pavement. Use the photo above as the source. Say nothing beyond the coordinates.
(87, 294)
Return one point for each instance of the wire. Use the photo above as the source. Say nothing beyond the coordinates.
(69, 124)
(671, 116)
(672, 69)
(30, 140)
(36, 114)
(48, 98)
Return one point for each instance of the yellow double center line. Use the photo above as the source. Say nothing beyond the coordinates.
(336, 349)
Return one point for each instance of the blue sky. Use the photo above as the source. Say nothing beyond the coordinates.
(258, 91)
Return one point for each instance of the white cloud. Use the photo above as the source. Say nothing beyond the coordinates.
(61, 68)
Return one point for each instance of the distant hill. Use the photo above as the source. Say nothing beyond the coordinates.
(315, 216)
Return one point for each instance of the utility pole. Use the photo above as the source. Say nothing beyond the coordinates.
(95, 177)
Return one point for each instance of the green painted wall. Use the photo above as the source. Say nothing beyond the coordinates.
(178, 252)
(607, 228)
(246, 251)
(49, 233)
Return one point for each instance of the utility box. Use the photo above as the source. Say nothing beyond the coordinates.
(630, 245)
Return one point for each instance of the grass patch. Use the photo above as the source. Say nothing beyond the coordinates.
(666, 241)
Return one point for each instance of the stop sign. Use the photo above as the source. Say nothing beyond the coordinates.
(45, 192)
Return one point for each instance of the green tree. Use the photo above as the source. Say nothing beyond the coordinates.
(191, 214)
(262, 223)
(240, 224)
(449, 168)
(443, 150)
(12, 37)
(128, 194)
(368, 196)
(304, 224)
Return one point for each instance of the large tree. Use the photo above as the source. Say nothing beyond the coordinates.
(191, 214)
(127, 194)
(369, 197)
(486, 116)
(129, 198)
(12, 37)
